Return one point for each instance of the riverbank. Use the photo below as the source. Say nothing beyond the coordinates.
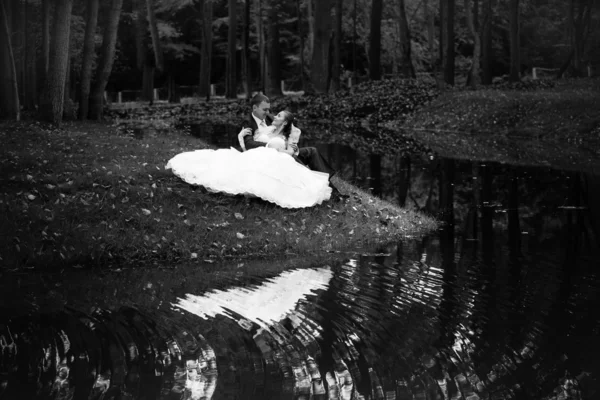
(557, 126)
(89, 195)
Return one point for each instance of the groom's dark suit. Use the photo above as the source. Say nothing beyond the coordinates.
(308, 156)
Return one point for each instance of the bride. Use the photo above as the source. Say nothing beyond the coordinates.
(269, 172)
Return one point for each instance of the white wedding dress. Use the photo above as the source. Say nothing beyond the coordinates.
(262, 172)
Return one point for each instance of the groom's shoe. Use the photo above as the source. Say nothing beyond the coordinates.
(336, 195)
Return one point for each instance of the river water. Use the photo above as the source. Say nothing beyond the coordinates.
(502, 303)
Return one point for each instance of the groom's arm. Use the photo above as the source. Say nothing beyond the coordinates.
(249, 141)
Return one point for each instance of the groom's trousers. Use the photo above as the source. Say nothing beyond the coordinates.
(311, 157)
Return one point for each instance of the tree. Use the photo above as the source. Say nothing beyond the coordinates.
(301, 51)
(30, 91)
(442, 38)
(89, 51)
(260, 34)
(158, 52)
(231, 71)
(429, 17)
(375, 40)
(311, 29)
(9, 91)
(449, 66)
(515, 48)
(471, 16)
(319, 72)
(337, 47)
(107, 56)
(580, 12)
(45, 58)
(272, 84)
(143, 62)
(53, 95)
(406, 66)
(246, 74)
(206, 49)
(18, 45)
(486, 39)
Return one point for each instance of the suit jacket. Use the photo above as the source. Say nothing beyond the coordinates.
(249, 140)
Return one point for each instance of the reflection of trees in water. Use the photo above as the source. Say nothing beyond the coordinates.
(109, 355)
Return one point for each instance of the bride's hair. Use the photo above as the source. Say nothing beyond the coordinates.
(287, 129)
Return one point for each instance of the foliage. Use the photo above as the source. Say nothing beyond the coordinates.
(532, 123)
(378, 101)
(94, 195)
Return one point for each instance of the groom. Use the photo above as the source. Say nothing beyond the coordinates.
(309, 156)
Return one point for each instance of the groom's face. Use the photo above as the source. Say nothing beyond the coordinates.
(261, 110)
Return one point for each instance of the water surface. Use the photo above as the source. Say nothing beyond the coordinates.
(502, 303)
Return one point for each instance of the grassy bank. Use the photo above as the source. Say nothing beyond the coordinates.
(555, 126)
(88, 195)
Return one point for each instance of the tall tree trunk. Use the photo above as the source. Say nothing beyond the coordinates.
(143, 62)
(486, 39)
(580, 30)
(375, 174)
(354, 36)
(301, 52)
(404, 164)
(319, 72)
(89, 51)
(260, 34)
(18, 44)
(406, 67)
(107, 56)
(53, 97)
(148, 82)
(337, 47)
(449, 67)
(443, 6)
(30, 62)
(273, 83)
(68, 106)
(310, 16)
(473, 78)
(9, 90)
(231, 70)
(173, 89)
(45, 40)
(206, 49)
(158, 52)
(515, 48)
(430, 18)
(375, 40)
(246, 75)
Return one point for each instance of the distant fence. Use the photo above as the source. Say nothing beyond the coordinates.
(538, 72)
(218, 90)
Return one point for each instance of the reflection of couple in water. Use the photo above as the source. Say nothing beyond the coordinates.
(271, 165)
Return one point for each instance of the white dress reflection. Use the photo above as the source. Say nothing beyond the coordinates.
(268, 303)
(260, 309)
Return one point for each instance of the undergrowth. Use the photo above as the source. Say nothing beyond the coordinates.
(87, 196)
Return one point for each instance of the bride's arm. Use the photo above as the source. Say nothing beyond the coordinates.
(244, 132)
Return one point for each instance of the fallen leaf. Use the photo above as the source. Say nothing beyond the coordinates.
(146, 211)
(240, 235)
(238, 216)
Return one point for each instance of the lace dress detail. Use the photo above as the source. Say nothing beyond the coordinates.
(262, 172)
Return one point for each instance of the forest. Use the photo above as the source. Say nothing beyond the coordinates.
(61, 59)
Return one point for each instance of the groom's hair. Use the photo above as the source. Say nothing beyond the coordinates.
(257, 99)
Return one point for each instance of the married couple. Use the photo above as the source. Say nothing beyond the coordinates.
(270, 166)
